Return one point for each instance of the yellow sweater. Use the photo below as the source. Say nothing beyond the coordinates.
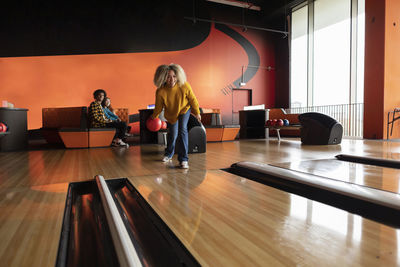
(175, 101)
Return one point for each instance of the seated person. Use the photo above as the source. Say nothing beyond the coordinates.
(110, 114)
(108, 110)
(98, 119)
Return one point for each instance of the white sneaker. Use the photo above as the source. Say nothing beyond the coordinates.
(184, 165)
(166, 159)
(114, 143)
(120, 143)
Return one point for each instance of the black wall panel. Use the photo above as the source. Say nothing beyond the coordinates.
(38, 28)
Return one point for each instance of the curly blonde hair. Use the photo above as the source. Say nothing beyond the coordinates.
(160, 76)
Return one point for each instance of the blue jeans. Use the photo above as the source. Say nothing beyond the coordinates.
(178, 132)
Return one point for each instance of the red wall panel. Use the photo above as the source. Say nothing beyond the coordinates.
(374, 68)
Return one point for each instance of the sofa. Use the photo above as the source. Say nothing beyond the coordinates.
(69, 126)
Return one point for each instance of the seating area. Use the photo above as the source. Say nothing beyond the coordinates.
(216, 132)
(280, 113)
(69, 126)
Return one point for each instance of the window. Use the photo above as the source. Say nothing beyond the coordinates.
(327, 47)
(360, 51)
(298, 51)
(331, 52)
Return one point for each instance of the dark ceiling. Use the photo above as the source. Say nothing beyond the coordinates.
(272, 14)
(40, 27)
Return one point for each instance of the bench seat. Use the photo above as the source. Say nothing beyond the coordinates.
(218, 133)
(101, 137)
(74, 137)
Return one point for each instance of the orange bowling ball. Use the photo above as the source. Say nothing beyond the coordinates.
(163, 125)
(3, 127)
(135, 128)
(153, 125)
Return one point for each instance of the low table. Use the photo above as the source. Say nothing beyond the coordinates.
(278, 128)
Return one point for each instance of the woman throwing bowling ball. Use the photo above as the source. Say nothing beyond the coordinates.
(176, 97)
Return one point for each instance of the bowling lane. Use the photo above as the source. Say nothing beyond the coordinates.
(227, 220)
(377, 177)
(30, 224)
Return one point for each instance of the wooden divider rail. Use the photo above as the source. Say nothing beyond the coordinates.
(376, 204)
(126, 252)
(108, 223)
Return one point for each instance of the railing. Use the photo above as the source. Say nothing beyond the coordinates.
(349, 115)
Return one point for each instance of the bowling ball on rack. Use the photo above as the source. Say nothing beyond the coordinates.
(268, 123)
(286, 122)
(153, 125)
(3, 127)
(274, 122)
(134, 128)
(279, 122)
(163, 125)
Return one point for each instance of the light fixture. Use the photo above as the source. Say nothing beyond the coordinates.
(237, 4)
(244, 5)
(242, 83)
(242, 80)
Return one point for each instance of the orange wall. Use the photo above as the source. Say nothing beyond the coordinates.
(382, 70)
(62, 81)
(392, 63)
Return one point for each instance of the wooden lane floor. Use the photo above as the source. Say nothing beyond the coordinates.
(30, 217)
(382, 178)
(30, 168)
(30, 225)
(227, 220)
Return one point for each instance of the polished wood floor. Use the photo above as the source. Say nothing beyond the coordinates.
(223, 219)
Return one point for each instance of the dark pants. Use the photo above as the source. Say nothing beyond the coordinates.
(120, 126)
